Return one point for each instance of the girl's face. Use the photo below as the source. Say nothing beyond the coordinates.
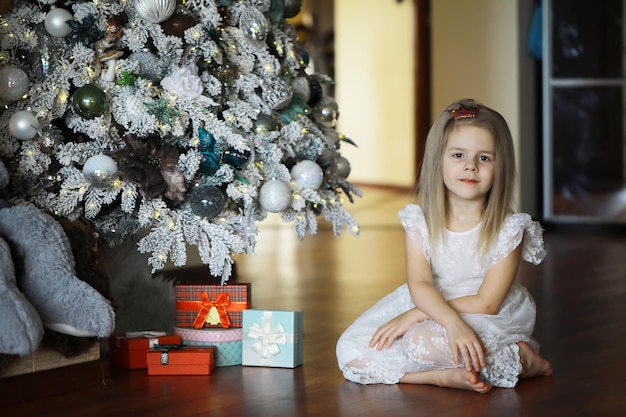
(469, 163)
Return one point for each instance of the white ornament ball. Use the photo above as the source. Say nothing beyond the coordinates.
(55, 22)
(155, 11)
(23, 125)
(100, 170)
(275, 196)
(308, 174)
(14, 83)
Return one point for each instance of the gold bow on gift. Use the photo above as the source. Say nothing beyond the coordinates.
(209, 309)
(212, 312)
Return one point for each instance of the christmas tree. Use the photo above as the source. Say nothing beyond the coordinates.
(184, 121)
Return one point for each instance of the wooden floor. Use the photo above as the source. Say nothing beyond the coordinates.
(580, 292)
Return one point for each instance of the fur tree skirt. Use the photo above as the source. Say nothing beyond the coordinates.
(88, 268)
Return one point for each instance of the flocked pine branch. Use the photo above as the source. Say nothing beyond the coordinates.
(186, 126)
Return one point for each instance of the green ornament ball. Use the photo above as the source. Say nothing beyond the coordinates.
(89, 101)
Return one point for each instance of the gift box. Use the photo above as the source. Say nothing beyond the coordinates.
(272, 338)
(227, 343)
(181, 361)
(45, 358)
(129, 349)
(211, 306)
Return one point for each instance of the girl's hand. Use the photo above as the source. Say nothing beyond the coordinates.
(466, 345)
(386, 334)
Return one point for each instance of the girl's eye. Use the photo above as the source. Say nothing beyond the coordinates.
(485, 158)
(457, 155)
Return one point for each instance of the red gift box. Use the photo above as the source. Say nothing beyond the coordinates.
(199, 306)
(130, 350)
(184, 361)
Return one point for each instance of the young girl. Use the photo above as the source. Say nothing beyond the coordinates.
(460, 321)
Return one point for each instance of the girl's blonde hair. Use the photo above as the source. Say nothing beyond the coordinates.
(431, 192)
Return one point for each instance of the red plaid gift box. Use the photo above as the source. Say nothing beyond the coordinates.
(199, 306)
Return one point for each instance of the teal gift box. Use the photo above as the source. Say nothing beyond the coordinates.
(272, 338)
(227, 343)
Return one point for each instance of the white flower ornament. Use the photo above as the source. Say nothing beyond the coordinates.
(185, 84)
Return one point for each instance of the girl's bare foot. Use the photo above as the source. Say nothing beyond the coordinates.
(532, 363)
(451, 378)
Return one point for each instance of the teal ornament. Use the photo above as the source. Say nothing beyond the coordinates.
(211, 162)
(207, 201)
(235, 157)
(304, 54)
(293, 111)
(85, 32)
(275, 12)
(89, 101)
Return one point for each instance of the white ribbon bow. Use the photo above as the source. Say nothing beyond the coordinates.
(268, 338)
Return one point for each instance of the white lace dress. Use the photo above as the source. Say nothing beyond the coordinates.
(459, 273)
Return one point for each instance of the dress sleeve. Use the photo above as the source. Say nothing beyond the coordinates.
(516, 227)
(414, 223)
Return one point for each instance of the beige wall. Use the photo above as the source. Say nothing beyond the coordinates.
(374, 75)
(478, 51)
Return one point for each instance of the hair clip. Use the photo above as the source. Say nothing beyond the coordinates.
(463, 112)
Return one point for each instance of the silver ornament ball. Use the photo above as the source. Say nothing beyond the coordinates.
(100, 171)
(148, 64)
(327, 112)
(56, 22)
(264, 124)
(253, 23)
(23, 125)
(275, 196)
(301, 88)
(155, 11)
(14, 83)
(49, 140)
(343, 167)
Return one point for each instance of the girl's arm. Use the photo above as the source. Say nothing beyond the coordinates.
(387, 333)
(494, 287)
(431, 304)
